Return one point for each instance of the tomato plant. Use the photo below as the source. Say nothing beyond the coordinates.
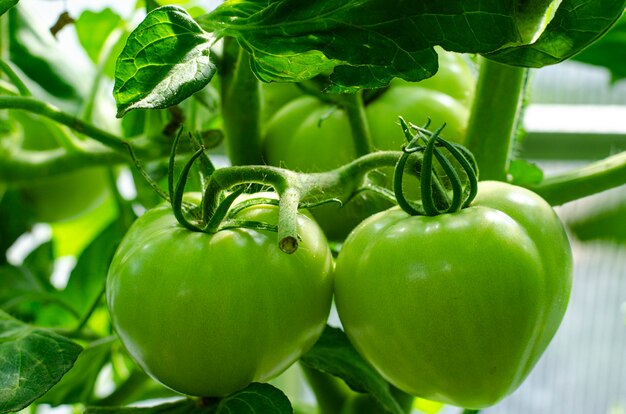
(500, 297)
(224, 309)
(337, 109)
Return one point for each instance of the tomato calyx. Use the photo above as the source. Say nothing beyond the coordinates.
(442, 188)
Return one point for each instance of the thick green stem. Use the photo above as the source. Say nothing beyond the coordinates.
(585, 181)
(330, 393)
(355, 110)
(494, 116)
(241, 111)
(296, 189)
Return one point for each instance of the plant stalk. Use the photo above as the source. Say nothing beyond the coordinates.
(241, 111)
(355, 110)
(584, 181)
(493, 121)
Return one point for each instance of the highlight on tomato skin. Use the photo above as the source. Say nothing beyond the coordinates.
(472, 299)
(208, 321)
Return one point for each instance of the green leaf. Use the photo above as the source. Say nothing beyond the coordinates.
(78, 384)
(14, 218)
(94, 28)
(523, 172)
(364, 43)
(6, 5)
(334, 354)
(88, 276)
(609, 52)
(32, 361)
(575, 25)
(165, 60)
(40, 263)
(255, 399)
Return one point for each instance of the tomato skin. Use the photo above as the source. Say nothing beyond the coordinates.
(417, 105)
(208, 314)
(471, 299)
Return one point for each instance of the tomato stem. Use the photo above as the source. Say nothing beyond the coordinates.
(494, 115)
(294, 189)
(355, 110)
(584, 181)
(241, 112)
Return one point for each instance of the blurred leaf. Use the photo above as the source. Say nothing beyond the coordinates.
(14, 219)
(254, 399)
(40, 263)
(576, 25)
(32, 361)
(523, 172)
(116, 50)
(78, 384)
(71, 237)
(6, 5)
(609, 51)
(88, 276)
(94, 28)
(44, 61)
(165, 60)
(334, 354)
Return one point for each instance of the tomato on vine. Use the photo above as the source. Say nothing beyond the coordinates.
(471, 299)
(207, 314)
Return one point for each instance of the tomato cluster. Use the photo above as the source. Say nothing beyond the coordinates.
(456, 307)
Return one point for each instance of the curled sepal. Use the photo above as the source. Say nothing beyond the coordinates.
(215, 223)
(179, 192)
(444, 186)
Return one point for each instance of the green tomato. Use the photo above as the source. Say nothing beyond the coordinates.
(458, 307)
(207, 314)
(455, 77)
(58, 197)
(312, 136)
(416, 105)
(275, 95)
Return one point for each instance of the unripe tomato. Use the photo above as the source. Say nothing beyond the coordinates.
(458, 307)
(207, 314)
